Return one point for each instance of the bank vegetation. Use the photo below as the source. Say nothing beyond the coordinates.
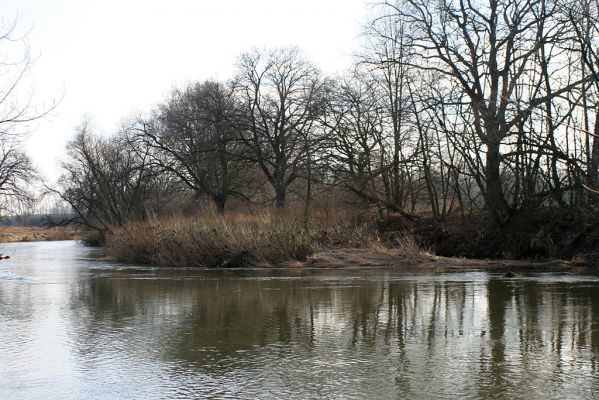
(470, 126)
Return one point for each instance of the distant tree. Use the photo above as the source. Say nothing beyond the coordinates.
(282, 95)
(107, 181)
(17, 115)
(386, 57)
(16, 175)
(196, 139)
(354, 120)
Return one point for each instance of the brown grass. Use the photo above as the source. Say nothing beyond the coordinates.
(33, 234)
(237, 240)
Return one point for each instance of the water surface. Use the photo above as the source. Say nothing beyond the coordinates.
(75, 326)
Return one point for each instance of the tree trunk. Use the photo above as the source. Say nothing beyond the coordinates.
(495, 202)
(220, 203)
(308, 192)
(280, 195)
(593, 172)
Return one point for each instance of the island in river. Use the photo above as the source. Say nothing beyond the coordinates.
(343, 258)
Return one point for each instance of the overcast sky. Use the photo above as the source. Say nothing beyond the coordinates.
(108, 59)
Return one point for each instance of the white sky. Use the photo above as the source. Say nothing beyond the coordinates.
(112, 58)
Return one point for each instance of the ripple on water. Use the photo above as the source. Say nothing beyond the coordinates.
(113, 332)
(8, 276)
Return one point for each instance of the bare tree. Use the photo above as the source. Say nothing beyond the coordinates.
(387, 57)
(489, 50)
(16, 176)
(584, 18)
(196, 139)
(282, 96)
(17, 116)
(107, 181)
(356, 145)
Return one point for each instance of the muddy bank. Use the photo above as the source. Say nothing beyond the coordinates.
(269, 240)
(539, 236)
(397, 259)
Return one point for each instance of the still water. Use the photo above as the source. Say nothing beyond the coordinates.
(75, 326)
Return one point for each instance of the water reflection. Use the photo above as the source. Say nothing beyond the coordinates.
(81, 328)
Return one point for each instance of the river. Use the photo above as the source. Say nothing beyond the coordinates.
(76, 326)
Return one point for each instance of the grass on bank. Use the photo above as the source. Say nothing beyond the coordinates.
(34, 234)
(238, 240)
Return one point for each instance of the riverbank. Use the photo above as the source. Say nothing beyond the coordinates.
(272, 240)
(399, 259)
(11, 234)
(210, 240)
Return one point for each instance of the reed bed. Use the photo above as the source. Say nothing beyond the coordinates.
(238, 240)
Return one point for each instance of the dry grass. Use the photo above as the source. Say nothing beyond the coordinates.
(408, 245)
(34, 234)
(237, 240)
(209, 240)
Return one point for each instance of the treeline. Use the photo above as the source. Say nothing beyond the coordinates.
(451, 107)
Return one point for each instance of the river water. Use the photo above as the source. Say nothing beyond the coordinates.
(75, 326)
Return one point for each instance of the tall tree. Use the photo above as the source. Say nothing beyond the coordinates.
(387, 56)
(196, 139)
(107, 181)
(356, 143)
(584, 18)
(282, 96)
(17, 116)
(488, 49)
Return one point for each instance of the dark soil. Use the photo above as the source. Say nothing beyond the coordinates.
(546, 234)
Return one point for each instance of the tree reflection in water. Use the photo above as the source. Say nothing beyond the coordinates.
(77, 327)
(449, 335)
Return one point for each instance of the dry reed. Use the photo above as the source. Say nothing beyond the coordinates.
(238, 240)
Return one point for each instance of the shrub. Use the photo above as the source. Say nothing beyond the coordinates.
(210, 240)
(240, 240)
